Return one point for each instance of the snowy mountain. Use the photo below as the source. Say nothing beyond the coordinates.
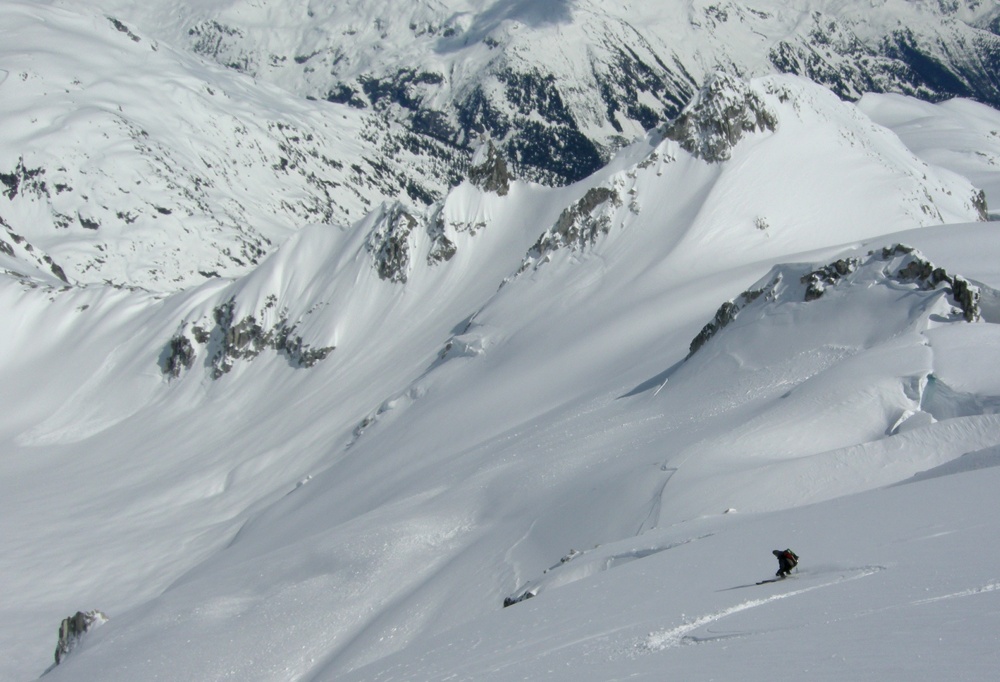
(322, 418)
(562, 84)
(127, 161)
(408, 99)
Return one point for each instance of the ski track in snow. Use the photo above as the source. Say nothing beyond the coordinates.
(984, 589)
(681, 635)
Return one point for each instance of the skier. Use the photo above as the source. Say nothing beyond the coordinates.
(787, 560)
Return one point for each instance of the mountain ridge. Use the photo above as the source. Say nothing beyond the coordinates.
(337, 458)
(564, 85)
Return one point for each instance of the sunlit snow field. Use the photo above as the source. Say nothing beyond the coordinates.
(513, 421)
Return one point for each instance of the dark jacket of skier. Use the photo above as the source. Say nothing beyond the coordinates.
(787, 560)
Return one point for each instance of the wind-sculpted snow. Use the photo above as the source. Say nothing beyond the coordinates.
(896, 265)
(338, 463)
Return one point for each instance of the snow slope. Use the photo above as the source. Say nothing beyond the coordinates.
(338, 462)
(960, 135)
(453, 499)
(364, 514)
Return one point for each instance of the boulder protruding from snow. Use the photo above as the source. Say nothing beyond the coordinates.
(73, 628)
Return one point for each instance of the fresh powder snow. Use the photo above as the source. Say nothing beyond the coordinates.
(602, 403)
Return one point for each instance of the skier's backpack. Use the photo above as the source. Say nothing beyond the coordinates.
(792, 557)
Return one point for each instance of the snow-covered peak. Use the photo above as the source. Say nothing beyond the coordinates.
(751, 169)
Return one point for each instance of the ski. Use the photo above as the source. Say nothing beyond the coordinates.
(772, 580)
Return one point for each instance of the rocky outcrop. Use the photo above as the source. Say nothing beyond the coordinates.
(897, 265)
(24, 180)
(913, 269)
(516, 599)
(490, 173)
(927, 277)
(578, 226)
(720, 116)
(442, 248)
(979, 203)
(72, 629)
(726, 313)
(19, 247)
(226, 340)
(389, 244)
(817, 281)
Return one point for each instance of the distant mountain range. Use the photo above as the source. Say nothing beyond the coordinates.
(560, 85)
(139, 164)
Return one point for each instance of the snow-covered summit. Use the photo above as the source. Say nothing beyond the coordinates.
(755, 168)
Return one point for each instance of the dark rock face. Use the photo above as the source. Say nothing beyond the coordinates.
(389, 244)
(539, 133)
(401, 88)
(628, 77)
(74, 628)
(578, 226)
(958, 61)
(726, 313)
(724, 111)
(228, 340)
(491, 175)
